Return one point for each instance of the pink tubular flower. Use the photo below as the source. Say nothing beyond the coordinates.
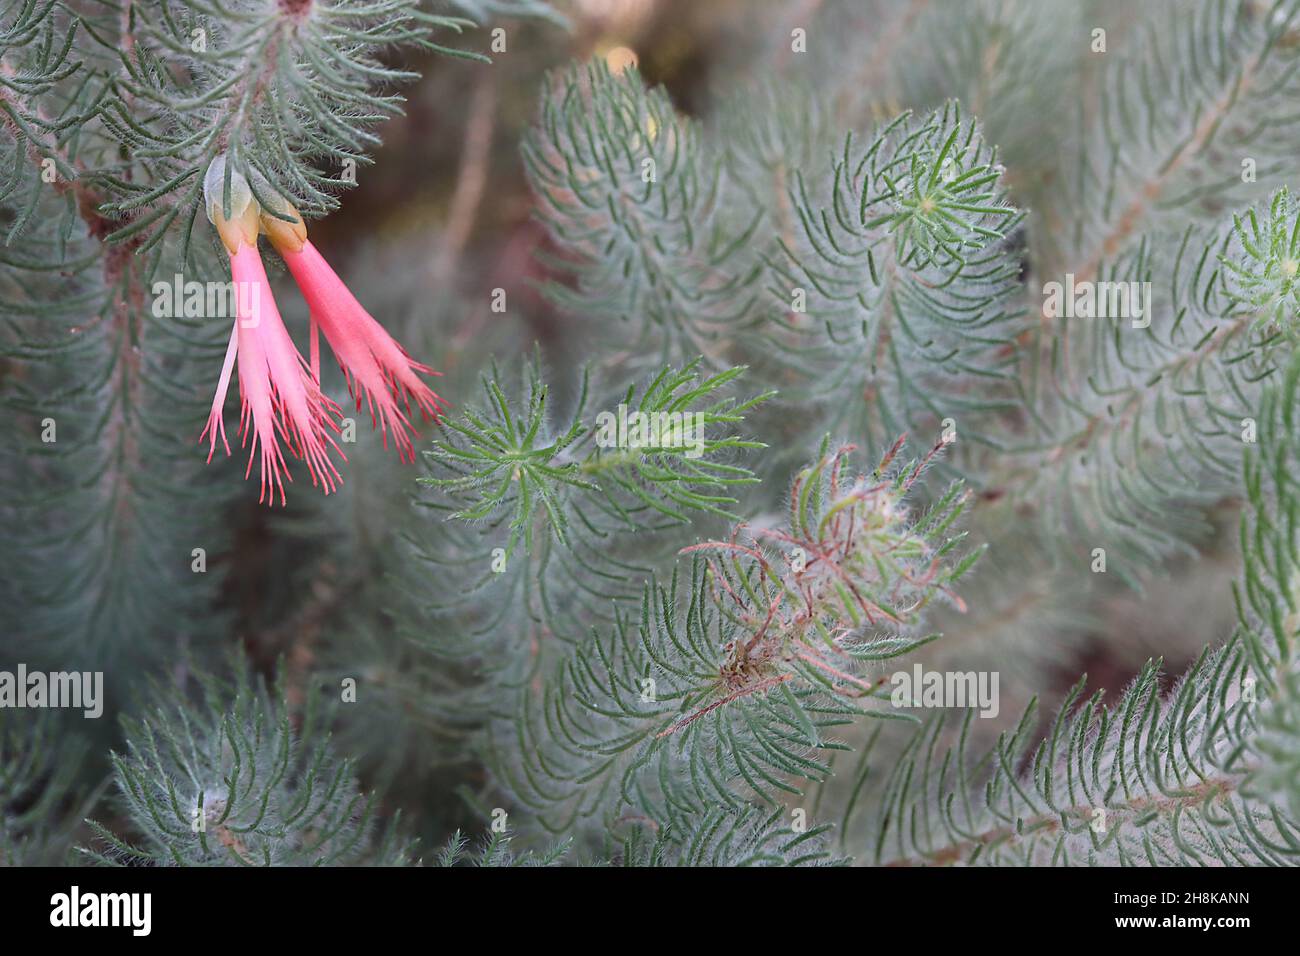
(376, 367)
(279, 397)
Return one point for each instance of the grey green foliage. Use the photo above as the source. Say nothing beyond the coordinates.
(287, 90)
(1151, 781)
(1145, 427)
(730, 683)
(1203, 775)
(887, 283)
(644, 649)
(660, 452)
(717, 837)
(39, 794)
(232, 777)
(1267, 599)
(111, 116)
(569, 519)
(116, 534)
(631, 190)
(905, 263)
(494, 851)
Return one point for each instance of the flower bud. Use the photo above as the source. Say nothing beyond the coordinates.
(285, 236)
(241, 227)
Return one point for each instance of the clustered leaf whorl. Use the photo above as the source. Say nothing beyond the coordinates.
(733, 676)
(1265, 280)
(663, 453)
(230, 776)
